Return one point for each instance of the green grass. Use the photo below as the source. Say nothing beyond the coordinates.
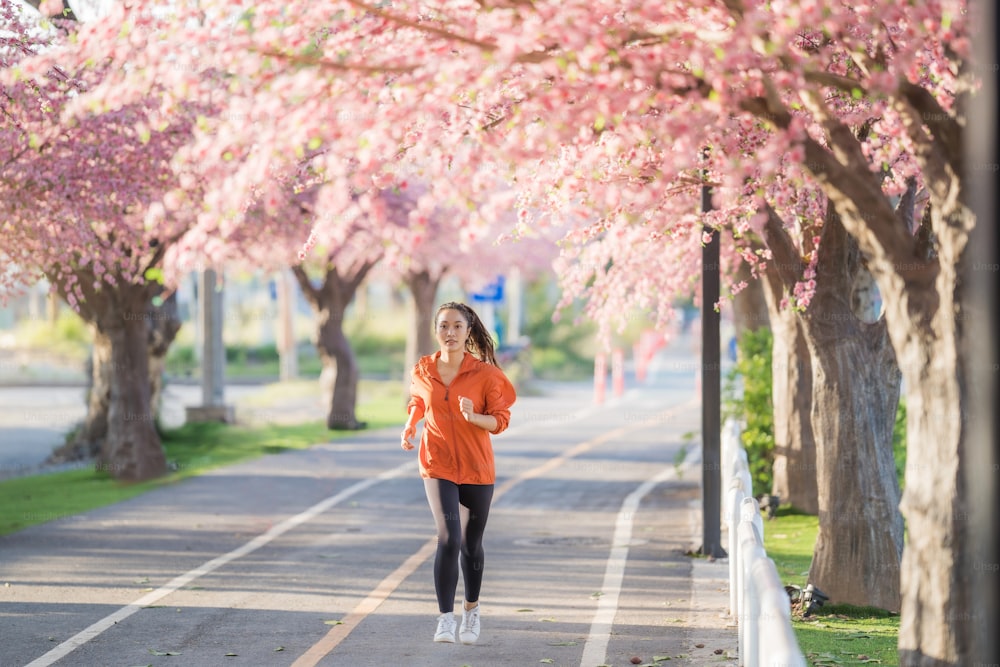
(840, 636)
(836, 635)
(789, 540)
(191, 450)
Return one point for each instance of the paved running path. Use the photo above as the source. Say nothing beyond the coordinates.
(324, 556)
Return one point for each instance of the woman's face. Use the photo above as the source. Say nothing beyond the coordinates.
(452, 330)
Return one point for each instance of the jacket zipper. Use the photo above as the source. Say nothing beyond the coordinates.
(451, 419)
(454, 439)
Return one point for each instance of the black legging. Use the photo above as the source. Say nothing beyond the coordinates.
(460, 513)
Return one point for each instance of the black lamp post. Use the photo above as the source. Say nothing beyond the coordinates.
(711, 458)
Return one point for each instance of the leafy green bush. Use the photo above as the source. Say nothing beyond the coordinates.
(553, 363)
(251, 354)
(752, 406)
(379, 354)
(70, 336)
(559, 350)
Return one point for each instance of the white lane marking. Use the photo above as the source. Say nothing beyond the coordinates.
(387, 586)
(276, 531)
(596, 648)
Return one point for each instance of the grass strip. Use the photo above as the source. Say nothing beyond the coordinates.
(190, 450)
(835, 635)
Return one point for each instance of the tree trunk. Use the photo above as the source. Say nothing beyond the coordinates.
(340, 370)
(132, 449)
(120, 313)
(941, 616)
(855, 392)
(794, 470)
(420, 340)
(340, 375)
(87, 441)
(164, 323)
(52, 308)
(865, 299)
(855, 382)
(750, 307)
(941, 622)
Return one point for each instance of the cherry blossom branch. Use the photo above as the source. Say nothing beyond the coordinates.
(838, 81)
(309, 290)
(945, 131)
(787, 264)
(318, 61)
(530, 57)
(845, 166)
(66, 13)
(422, 27)
(843, 172)
(361, 274)
(835, 247)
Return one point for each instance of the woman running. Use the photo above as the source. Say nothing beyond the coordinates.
(463, 397)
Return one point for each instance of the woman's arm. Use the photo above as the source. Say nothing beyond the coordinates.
(485, 422)
(410, 428)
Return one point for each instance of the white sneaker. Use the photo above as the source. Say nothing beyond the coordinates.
(446, 628)
(469, 632)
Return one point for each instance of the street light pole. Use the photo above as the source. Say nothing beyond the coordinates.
(711, 459)
(213, 358)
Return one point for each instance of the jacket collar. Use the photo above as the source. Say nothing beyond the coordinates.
(428, 364)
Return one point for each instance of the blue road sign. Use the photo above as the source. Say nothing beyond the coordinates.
(490, 293)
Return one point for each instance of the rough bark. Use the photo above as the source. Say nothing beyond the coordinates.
(423, 287)
(940, 618)
(977, 330)
(87, 441)
(941, 623)
(164, 324)
(860, 539)
(131, 448)
(340, 375)
(918, 278)
(750, 307)
(794, 470)
(865, 299)
(855, 391)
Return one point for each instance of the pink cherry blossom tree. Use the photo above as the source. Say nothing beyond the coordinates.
(76, 195)
(343, 267)
(448, 241)
(611, 104)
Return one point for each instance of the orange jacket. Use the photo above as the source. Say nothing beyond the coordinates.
(451, 448)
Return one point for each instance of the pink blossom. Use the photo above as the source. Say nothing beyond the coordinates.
(51, 8)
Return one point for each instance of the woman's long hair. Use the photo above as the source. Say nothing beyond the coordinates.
(480, 342)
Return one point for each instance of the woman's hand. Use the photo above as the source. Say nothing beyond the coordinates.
(485, 422)
(409, 432)
(465, 405)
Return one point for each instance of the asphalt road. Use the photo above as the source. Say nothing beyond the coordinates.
(34, 419)
(324, 556)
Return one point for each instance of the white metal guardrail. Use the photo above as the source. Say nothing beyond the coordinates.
(757, 599)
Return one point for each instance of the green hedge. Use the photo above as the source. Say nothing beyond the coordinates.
(752, 406)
